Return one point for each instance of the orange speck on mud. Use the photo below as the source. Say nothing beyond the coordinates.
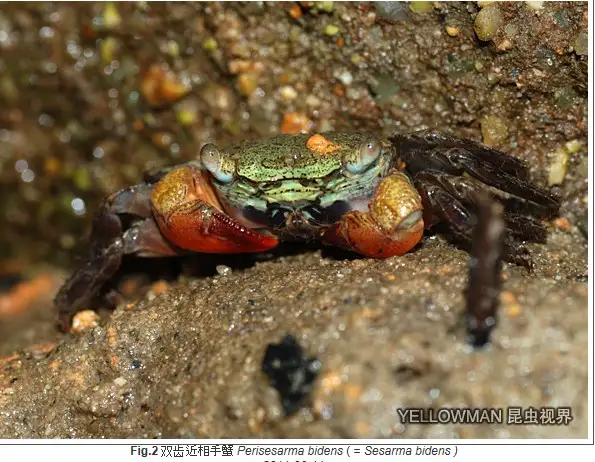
(160, 86)
(339, 90)
(159, 287)
(111, 336)
(295, 12)
(511, 304)
(25, 294)
(562, 223)
(84, 320)
(41, 349)
(138, 125)
(320, 145)
(9, 359)
(295, 123)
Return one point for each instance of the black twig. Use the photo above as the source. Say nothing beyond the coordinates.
(483, 290)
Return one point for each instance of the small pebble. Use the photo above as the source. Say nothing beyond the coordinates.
(356, 59)
(558, 165)
(223, 270)
(511, 30)
(120, 381)
(83, 320)
(565, 97)
(247, 84)
(384, 87)
(345, 78)
(487, 23)
(535, 6)
(295, 123)
(326, 6)
(562, 223)
(545, 57)
(562, 19)
(111, 16)
(392, 11)
(581, 44)
(187, 112)
(494, 130)
(504, 45)
(162, 139)
(25, 294)
(452, 31)
(160, 86)
(312, 100)
(421, 7)
(288, 93)
(331, 29)
(574, 146)
(108, 49)
(173, 49)
(209, 44)
(295, 12)
(159, 287)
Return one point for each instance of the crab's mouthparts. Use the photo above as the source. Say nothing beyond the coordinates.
(279, 215)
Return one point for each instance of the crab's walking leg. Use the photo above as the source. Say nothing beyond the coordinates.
(438, 164)
(483, 287)
(189, 214)
(393, 225)
(109, 245)
(437, 152)
(454, 200)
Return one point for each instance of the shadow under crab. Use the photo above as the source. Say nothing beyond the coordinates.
(371, 196)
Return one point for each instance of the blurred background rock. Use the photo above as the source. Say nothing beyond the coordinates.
(93, 94)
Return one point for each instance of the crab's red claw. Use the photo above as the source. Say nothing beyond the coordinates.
(188, 214)
(200, 227)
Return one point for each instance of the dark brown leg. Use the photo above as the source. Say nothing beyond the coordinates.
(109, 245)
(454, 201)
(436, 152)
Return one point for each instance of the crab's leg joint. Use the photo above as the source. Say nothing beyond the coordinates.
(393, 225)
(109, 245)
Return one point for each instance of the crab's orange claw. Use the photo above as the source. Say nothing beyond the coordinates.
(357, 231)
(189, 215)
(200, 227)
(393, 226)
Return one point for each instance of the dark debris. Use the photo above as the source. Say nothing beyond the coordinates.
(290, 372)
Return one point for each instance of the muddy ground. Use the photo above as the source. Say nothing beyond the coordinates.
(187, 363)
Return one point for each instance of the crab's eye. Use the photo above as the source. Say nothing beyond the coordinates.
(214, 162)
(359, 160)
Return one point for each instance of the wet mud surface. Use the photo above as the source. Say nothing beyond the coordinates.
(388, 334)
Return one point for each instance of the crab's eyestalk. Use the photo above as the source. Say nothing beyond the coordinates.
(224, 170)
(359, 160)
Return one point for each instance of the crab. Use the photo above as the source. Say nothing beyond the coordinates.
(366, 194)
